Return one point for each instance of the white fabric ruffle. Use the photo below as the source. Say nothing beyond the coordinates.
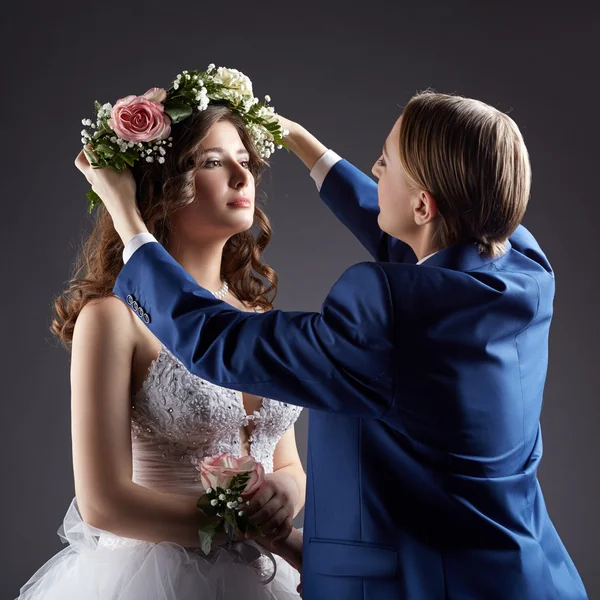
(98, 565)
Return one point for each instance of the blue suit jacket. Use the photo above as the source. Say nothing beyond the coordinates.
(425, 384)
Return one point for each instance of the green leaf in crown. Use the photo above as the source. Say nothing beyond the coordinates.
(178, 112)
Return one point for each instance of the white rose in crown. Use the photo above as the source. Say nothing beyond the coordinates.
(235, 81)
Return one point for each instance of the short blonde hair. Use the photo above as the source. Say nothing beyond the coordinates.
(472, 159)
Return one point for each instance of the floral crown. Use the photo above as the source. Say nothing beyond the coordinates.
(139, 127)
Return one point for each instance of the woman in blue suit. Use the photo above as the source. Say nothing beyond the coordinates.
(426, 367)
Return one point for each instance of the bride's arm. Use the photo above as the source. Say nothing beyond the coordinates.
(348, 192)
(102, 353)
(288, 467)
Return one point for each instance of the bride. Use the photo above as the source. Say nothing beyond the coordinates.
(141, 423)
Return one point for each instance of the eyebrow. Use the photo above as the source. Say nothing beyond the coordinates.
(220, 150)
(384, 150)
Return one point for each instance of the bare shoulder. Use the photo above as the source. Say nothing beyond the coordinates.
(109, 311)
(105, 319)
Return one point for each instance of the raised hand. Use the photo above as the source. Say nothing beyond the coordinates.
(117, 191)
(301, 142)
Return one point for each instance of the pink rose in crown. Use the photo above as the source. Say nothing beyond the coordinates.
(141, 118)
(217, 471)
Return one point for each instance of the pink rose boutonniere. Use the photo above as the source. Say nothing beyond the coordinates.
(227, 480)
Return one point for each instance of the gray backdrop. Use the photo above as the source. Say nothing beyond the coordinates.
(343, 72)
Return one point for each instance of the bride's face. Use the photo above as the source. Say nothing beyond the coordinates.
(224, 202)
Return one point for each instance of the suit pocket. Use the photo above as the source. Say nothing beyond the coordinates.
(340, 558)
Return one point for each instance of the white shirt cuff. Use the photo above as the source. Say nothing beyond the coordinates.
(323, 166)
(136, 242)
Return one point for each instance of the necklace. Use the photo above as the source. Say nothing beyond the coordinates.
(221, 292)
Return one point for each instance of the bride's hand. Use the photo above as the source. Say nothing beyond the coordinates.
(272, 507)
(117, 192)
(290, 550)
(116, 189)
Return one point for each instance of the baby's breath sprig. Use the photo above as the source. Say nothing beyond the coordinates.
(229, 508)
(195, 89)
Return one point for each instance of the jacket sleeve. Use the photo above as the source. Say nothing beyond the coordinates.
(337, 360)
(352, 197)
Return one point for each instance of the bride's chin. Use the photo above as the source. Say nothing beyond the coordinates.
(240, 225)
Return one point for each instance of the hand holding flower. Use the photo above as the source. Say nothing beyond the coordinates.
(117, 190)
(227, 480)
(272, 507)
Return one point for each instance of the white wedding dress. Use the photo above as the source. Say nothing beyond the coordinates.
(177, 420)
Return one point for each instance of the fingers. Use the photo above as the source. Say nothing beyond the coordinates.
(270, 509)
(84, 159)
(260, 499)
(90, 154)
(81, 162)
(267, 512)
(284, 531)
(272, 525)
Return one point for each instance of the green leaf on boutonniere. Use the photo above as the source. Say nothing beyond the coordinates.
(206, 540)
(205, 506)
(230, 518)
(238, 482)
(178, 112)
(206, 534)
(242, 480)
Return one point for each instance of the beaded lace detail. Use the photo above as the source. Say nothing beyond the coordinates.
(178, 419)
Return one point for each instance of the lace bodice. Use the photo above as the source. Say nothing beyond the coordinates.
(178, 419)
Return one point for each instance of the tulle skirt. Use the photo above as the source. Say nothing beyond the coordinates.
(98, 565)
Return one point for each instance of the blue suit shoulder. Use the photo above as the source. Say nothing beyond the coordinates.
(361, 299)
(524, 243)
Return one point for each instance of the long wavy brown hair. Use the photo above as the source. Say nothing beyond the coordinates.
(161, 191)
